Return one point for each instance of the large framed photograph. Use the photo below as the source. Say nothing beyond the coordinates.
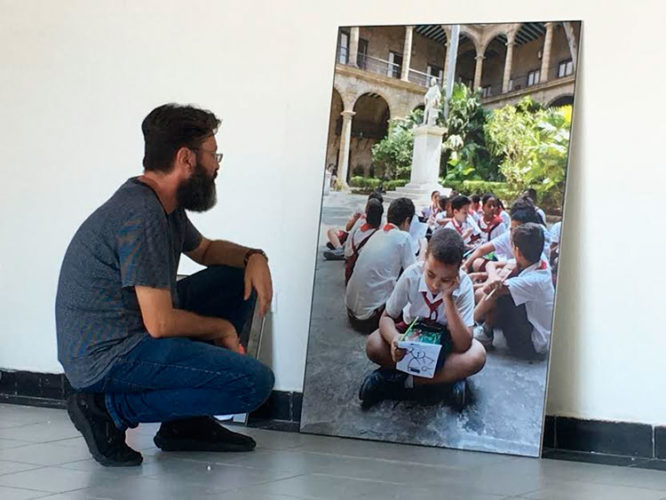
(438, 244)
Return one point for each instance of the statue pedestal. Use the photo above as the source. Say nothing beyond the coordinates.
(425, 167)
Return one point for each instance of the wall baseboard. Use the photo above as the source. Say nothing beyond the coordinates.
(282, 411)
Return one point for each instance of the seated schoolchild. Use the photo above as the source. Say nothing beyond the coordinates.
(476, 208)
(532, 195)
(386, 254)
(490, 224)
(444, 215)
(432, 209)
(506, 218)
(361, 235)
(438, 291)
(521, 306)
(462, 222)
(337, 237)
(500, 248)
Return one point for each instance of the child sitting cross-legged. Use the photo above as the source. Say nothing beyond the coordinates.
(438, 291)
(522, 306)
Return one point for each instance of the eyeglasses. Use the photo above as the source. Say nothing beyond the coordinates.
(218, 156)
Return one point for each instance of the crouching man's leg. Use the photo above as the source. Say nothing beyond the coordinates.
(168, 380)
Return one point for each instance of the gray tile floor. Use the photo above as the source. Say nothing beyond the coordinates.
(43, 456)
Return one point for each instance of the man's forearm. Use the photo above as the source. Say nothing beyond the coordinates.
(182, 323)
(221, 252)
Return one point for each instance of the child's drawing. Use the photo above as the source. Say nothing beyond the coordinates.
(420, 358)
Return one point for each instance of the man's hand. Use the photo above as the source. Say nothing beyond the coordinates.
(396, 352)
(258, 276)
(228, 337)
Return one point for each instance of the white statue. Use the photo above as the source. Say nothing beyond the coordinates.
(432, 102)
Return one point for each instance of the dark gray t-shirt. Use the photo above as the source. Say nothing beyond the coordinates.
(130, 240)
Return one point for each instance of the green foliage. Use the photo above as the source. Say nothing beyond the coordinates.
(465, 155)
(365, 183)
(499, 189)
(392, 156)
(533, 143)
(391, 185)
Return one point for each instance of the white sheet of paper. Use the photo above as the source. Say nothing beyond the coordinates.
(420, 358)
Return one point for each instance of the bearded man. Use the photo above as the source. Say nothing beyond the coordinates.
(137, 345)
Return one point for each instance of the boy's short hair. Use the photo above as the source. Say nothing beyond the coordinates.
(446, 246)
(476, 198)
(459, 202)
(376, 195)
(442, 201)
(529, 239)
(532, 194)
(399, 210)
(373, 212)
(523, 211)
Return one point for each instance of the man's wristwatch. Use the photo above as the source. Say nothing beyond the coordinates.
(251, 252)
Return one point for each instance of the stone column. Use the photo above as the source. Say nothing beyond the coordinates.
(407, 53)
(545, 56)
(446, 63)
(478, 71)
(353, 47)
(345, 141)
(508, 63)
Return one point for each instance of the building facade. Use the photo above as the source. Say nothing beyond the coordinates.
(381, 73)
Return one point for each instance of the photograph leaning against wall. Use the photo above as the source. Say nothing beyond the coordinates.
(439, 235)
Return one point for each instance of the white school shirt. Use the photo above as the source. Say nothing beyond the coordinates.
(555, 231)
(357, 237)
(534, 288)
(469, 222)
(504, 250)
(498, 230)
(506, 218)
(541, 213)
(408, 298)
(347, 244)
(377, 269)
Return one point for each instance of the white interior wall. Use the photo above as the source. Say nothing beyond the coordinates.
(77, 78)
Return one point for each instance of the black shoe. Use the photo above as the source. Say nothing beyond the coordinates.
(337, 254)
(330, 246)
(459, 395)
(381, 384)
(200, 434)
(105, 441)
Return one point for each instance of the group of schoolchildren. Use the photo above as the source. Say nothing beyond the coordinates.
(478, 269)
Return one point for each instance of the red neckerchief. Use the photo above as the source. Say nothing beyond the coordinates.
(433, 306)
(456, 226)
(542, 265)
(365, 227)
(390, 226)
(489, 226)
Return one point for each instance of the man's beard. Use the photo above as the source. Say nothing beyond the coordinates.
(198, 192)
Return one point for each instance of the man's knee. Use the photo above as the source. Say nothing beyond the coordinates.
(262, 380)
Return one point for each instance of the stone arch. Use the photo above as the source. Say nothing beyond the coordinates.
(369, 126)
(343, 97)
(561, 100)
(494, 53)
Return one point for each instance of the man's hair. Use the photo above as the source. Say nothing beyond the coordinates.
(373, 212)
(446, 246)
(442, 202)
(529, 239)
(376, 195)
(459, 202)
(170, 127)
(399, 210)
(523, 211)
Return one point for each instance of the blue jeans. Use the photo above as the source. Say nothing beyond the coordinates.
(172, 378)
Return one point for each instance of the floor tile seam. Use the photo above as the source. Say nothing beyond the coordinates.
(32, 468)
(27, 489)
(23, 444)
(217, 489)
(578, 481)
(361, 479)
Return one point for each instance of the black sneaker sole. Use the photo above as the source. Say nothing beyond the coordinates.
(83, 426)
(175, 444)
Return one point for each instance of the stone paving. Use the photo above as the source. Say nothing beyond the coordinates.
(505, 416)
